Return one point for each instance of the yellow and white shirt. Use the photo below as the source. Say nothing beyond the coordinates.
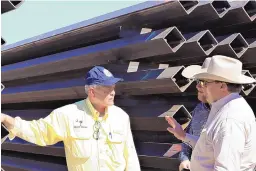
(74, 125)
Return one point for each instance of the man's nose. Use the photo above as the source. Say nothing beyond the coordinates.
(113, 92)
(198, 86)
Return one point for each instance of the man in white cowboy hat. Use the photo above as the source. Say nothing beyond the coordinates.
(200, 114)
(228, 139)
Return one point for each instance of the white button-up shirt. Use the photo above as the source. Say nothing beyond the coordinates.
(228, 140)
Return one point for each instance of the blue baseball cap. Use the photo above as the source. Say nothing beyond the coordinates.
(100, 76)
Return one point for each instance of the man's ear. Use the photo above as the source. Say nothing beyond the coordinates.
(91, 92)
(224, 86)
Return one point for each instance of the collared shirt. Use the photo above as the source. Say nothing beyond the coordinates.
(74, 124)
(199, 118)
(228, 141)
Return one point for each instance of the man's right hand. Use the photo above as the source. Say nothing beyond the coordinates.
(184, 165)
(8, 121)
(3, 116)
(176, 128)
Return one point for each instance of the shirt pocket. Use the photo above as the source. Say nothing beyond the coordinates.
(116, 137)
(81, 144)
(115, 143)
(207, 146)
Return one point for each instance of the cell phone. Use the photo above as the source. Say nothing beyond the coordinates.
(4, 133)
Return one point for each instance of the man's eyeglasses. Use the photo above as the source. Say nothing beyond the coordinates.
(204, 83)
(96, 129)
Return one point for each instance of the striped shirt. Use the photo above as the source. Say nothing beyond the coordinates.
(200, 115)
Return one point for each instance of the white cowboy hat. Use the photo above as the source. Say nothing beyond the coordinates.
(192, 70)
(226, 69)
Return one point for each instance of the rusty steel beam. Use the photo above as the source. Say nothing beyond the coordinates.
(24, 164)
(157, 81)
(164, 101)
(206, 11)
(197, 47)
(240, 12)
(115, 68)
(239, 18)
(138, 122)
(95, 30)
(156, 158)
(160, 42)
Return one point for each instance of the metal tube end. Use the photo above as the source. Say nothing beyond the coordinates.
(16, 4)
(239, 45)
(250, 9)
(181, 114)
(189, 6)
(247, 88)
(2, 41)
(221, 7)
(175, 39)
(208, 42)
(182, 82)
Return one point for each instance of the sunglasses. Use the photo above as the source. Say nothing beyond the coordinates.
(96, 130)
(204, 83)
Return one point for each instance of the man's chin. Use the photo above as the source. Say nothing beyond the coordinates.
(199, 97)
(209, 101)
(110, 104)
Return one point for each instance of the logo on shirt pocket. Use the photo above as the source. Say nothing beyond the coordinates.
(79, 123)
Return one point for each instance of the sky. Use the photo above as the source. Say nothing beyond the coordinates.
(36, 17)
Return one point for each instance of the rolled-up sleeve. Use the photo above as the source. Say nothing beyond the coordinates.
(130, 154)
(45, 131)
(191, 140)
(228, 145)
(186, 149)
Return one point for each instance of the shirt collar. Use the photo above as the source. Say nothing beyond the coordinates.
(220, 103)
(94, 112)
(206, 106)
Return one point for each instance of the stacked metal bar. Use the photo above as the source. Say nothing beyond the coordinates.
(6, 6)
(148, 45)
(9, 5)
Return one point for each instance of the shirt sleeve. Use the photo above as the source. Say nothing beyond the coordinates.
(186, 149)
(191, 140)
(228, 145)
(45, 131)
(130, 154)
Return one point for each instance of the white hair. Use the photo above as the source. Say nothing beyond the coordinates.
(86, 87)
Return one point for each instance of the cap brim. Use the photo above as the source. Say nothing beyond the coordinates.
(112, 81)
(242, 79)
(192, 70)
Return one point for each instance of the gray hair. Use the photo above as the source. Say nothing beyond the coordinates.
(234, 88)
(86, 87)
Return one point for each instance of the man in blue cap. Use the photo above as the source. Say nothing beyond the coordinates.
(96, 133)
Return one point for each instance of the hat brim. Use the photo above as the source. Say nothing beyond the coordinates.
(112, 81)
(241, 79)
(192, 70)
